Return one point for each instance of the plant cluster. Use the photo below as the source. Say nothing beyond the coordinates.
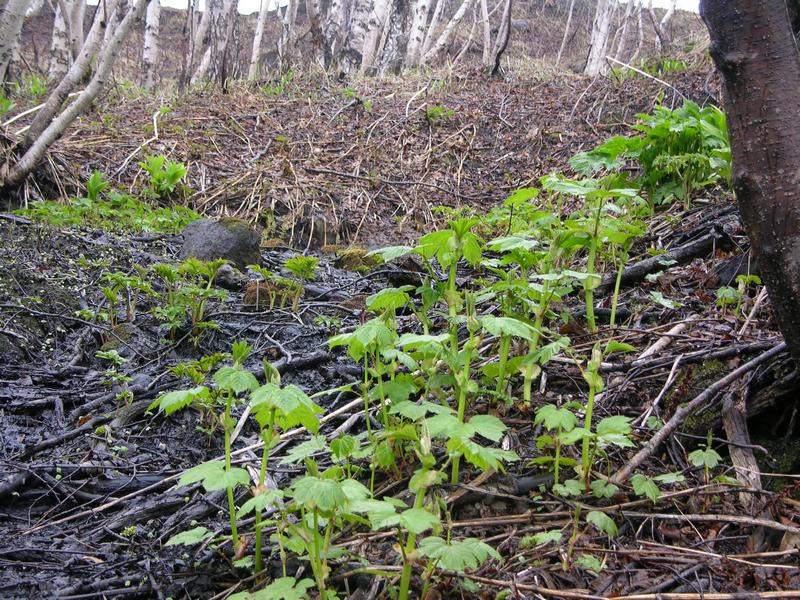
(111, 210)
(679, 152)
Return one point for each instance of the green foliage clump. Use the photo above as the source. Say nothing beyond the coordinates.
(111, 210)
(679, 151)
(165, 175)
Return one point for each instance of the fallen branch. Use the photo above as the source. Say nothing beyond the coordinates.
(686, 409)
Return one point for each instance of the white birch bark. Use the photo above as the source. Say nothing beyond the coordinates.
(447, 33)
(487, 34)
(60, 53)
(596, 63)
(152, 24)
(12, 15)
(622, 45)
(372, 39)
(220, 26)
(288, 42)
(356, 33)
(639, 32)
(503, 32)
(416, 37)
(430, 34)
(199, 40)
(255, 55)
(77, 19)
(313, 10)
(76, 72)
(470, 37)
(393, 52)
(334, 32)
(566, 32)
(17, 172)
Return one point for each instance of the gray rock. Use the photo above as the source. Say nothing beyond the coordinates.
(230, 278)
(228, 238)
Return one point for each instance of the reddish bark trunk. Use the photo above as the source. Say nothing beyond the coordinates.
(754, 49)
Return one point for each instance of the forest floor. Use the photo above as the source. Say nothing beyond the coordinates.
(88, 494)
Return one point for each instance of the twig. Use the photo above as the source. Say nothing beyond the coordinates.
(142, 145)
(683, 411)
(25, 113)
(640, 72)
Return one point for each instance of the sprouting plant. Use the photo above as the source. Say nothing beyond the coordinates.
(276, 409)
(231, 382)
(435, 114)
(165, 175)
(303, 268)
(6, 104)
(129, 288)
(95, 185)
(707, 457)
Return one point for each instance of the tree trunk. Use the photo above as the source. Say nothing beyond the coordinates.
(356, 33)
(375, 28)
(486, 57)
(150, 52)
(77, 71)
(623, 36)
(596, 63)
(639, 32)
(334, 33)
(313, 10)
(255, 55)
(447, 33)
(12, 16)
(470, 37)
(77, 20)
(430, 35)
(287, 42)
(566, 32)
(753, 47)
(221, 19)
(503, 36)
(11, 175)
(416, 37)
(392, 56)
(60, 53)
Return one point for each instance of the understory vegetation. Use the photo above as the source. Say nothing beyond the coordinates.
(493, 390)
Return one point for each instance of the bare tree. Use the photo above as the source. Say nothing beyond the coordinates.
(313, 11)
(487, 34)
(13, 173)
(503, 36)
(416, 37)
(60, 52)
(334, 32)
(663, 37)
(221, 19)
(76, 72)
(375, 28)
(12, 15)
(754, 48)
(447, 32)
(357, 27)
(77, 19)
(601, 26)
(566, 32)
(286, 44)
(151, 43)
(433, 26)
(255, 55)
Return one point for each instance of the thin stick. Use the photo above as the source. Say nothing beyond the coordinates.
(640, 72)
(686, 409)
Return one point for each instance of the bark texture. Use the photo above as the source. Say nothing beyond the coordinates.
(150, 52)
(601, 26)
(12, 14)
(753, 47)
(255, 55)
(60, 53)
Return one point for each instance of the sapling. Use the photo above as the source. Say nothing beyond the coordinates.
(303, 268)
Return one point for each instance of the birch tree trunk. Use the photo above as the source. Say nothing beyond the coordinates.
(77, 71)
(255, 55)
(77, 19)
(12, 175)
(416, 37)
(200, 38)
(219, 27)
(150, 51)
(60, 53)
(486, 59)
(288, 39)
(447, 33)
(503, 35)
(313, 10)
(372, 39)
(334, 33)
(12, 15)
(430, 34)
(392, 57)
(470, 37)
(596, 63)
(639, 32)
(566, 32)
(622, 45)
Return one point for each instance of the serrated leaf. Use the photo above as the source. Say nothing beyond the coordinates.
(190, 537)
(178, 399)
(603, 522)
(418, 520)
(488, 426)
(571, 487)
(669, 478)
(659, 298)
(541, 538)
(235, 380)
(458, 555)
(603, 489)
(302, 451)
(644, 486)
(260, 503)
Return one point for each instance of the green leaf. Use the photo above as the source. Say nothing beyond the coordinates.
(391, 252)
(235, 379)
(302, 451)
(603, 522)
(418, 520)
(488, 426)
(260, 503)
(178, 399)
(507, 326)
(590, 562)
(659, 298)
(603, 489)
(554, 417)
(213, 476)
(615, 430)
(571, 487)
(707, 458)
(342, 447)
(458, 555)
(190, 537)
(644, 486)
(615, 346)
(389, 299)
(323, 494)
(284, 588)
(541, 538)
(669, 478)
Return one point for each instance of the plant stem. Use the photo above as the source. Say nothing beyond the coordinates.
(617, 283)
(231, 504)
(411, 540)
(505, 345)
(262, 475)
